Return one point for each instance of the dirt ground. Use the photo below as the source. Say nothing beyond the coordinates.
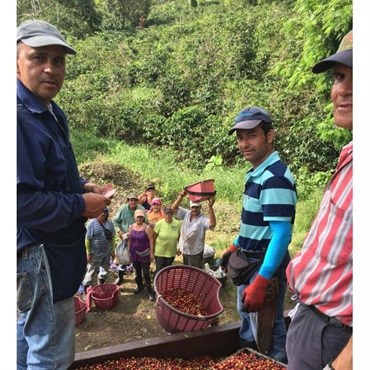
(134, 317)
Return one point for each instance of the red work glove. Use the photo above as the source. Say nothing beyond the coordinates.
(254, 294)
(226, 256)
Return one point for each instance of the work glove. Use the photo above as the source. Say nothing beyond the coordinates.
(226, 256)
(254, 294)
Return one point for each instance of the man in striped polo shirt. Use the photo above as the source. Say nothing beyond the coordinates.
(267, 219)
(320, 334)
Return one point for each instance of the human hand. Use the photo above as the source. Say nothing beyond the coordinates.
(225, 257)
(91, 187)
(183, 193)
(211, 201)
(94, 204)
(254, 294)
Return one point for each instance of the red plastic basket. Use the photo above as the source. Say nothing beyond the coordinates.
(105, 296)
(200, 191)
(204, 286)
(80, 310)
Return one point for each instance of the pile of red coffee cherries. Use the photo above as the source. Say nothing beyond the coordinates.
(240, 361)
(184, 301)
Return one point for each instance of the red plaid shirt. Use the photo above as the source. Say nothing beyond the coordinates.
(321, 273)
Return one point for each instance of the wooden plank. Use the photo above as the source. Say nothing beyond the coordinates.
(216, 341)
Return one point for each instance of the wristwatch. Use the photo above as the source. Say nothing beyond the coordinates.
(329, 366)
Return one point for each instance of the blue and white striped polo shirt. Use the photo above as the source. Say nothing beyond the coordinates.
(99, 245)
(270, 195)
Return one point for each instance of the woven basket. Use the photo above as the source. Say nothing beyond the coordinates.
(80, 310)
(204, 286)
(104, 296)
(200, 191)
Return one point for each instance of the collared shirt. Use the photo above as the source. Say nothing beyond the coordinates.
(125, 217)
(321, 273)
(43, 204)
(193, 234)
(269, 195)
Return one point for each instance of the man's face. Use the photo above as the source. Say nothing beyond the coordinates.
(341, 95)
(132, 203)
(41, 70)
(195, 210)
(254, 145)
(103, 216)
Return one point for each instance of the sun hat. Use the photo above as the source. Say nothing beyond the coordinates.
(132, 196)
(156, 201)
(167, 209)
(40, 33)
(250, 118)
(343, 56)
(194, 204)
(139, 212)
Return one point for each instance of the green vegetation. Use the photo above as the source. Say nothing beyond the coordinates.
(156, 84)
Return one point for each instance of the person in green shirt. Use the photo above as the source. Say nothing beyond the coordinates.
(166, 234)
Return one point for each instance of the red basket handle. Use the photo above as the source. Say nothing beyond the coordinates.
(211, 194)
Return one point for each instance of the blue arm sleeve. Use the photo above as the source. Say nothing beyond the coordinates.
(281, 237)
(236, 241)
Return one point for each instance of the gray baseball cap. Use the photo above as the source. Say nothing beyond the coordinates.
(41, 33)
(343, 55)
(250, 118)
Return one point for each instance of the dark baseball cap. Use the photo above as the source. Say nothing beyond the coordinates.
(150, 186)
(343, 56)
(168, 209)
(250, 118)
(41, 33)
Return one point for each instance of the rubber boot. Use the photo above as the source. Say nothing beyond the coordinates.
(119, 281)
(151, 294)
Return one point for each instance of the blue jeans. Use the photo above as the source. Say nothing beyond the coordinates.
(45, 330)
(248, 329)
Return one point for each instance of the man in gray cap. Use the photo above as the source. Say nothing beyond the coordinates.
(53, 204)
(267, 218)
(321, 273)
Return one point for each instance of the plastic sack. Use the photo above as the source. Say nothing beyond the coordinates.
(122, 253)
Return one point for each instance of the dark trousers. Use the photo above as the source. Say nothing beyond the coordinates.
(312, 342)
(162, 262)
(142, 268)
(195, 260)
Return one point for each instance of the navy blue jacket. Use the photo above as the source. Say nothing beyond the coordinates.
(47, 203)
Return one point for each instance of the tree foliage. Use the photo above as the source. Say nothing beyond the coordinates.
(78, 18)
(179, 79)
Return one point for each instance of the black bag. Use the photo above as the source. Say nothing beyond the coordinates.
(239, 269)
(108, 234)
